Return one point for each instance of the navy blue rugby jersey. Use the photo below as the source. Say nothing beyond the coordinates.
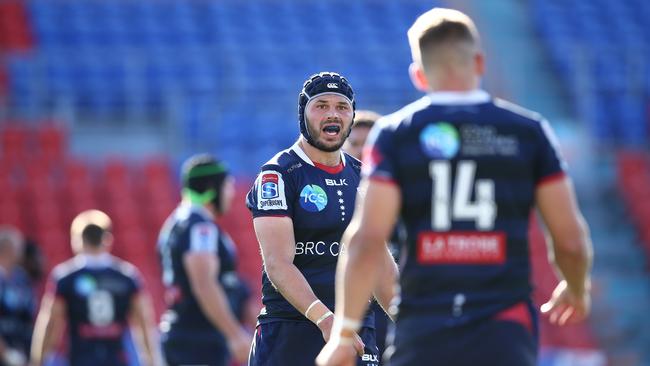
(191, 228)
(467, 167)
(320, 202)
(97, 291)
(16, 309)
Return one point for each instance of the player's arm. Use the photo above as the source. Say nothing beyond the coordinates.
(570, 250)
(202, 272)
(141, 316)
(48, 328)
(277, 243)
(357, 276)
(385, 288)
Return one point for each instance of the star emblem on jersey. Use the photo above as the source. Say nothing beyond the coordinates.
(313, 198)
(339, 192)
(440, 140)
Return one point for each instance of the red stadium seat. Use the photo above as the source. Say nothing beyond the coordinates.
(10, 214)
(13, 139)
(51, 141)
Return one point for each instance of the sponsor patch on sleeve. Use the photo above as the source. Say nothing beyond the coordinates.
(203, 237)
(270, 191)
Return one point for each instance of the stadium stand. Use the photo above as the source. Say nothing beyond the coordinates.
(634, 180)
(223, 76)
(91, 59)
(600, 50)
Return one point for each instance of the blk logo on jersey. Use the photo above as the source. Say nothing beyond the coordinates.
(440, 140)
(335, 182)
(313, 198)
(269, 186)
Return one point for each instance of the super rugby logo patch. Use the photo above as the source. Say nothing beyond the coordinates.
(270, 191)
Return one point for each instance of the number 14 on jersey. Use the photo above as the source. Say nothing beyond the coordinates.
(448, 204)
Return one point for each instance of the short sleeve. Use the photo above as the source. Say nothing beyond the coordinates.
(136, 280)
(549, 162)
(55, 285)
(204, 237)
(379, 155)
(270, 194)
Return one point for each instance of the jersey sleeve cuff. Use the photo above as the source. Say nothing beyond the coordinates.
(269, 214)
(551, 178)
(382, 179)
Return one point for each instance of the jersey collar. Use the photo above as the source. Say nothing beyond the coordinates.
(476, 96)
(93, 260)
(302, 155)
(189, 207)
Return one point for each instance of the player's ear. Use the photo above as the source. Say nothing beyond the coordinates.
(418, 78)
(479, 63)
(107, 240)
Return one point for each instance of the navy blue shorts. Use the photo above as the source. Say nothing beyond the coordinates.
(193, 351)
(298, 343)
(496, 341)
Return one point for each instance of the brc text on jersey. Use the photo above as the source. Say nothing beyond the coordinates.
(317, 248)
(461, 248)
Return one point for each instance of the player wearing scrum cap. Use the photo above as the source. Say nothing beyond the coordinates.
(302, 201)
(203, 292)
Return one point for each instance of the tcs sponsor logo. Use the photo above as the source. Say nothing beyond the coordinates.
(440, 140)
(85, 284)
(313, 198)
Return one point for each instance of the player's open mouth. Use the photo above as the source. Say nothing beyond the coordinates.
(332, 130)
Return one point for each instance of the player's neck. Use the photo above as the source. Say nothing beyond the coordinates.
(447, 83)
(319, 156)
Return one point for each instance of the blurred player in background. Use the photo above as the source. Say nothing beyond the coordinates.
(204, 295)
(16, 300)
(302, 201)
(363, 122)
(463, 171)
(97, 295)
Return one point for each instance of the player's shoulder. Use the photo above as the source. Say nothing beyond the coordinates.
(400, 120)
(65, 270)
(353, 162)
(517, 113)
(191, 214)
(125, 268)
(284, 161)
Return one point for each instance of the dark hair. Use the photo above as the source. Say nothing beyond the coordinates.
(203, 174)
(92, 235)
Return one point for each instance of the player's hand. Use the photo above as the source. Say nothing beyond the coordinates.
(326, 328)
(240, 346)
(336, 353)
(566, 307)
